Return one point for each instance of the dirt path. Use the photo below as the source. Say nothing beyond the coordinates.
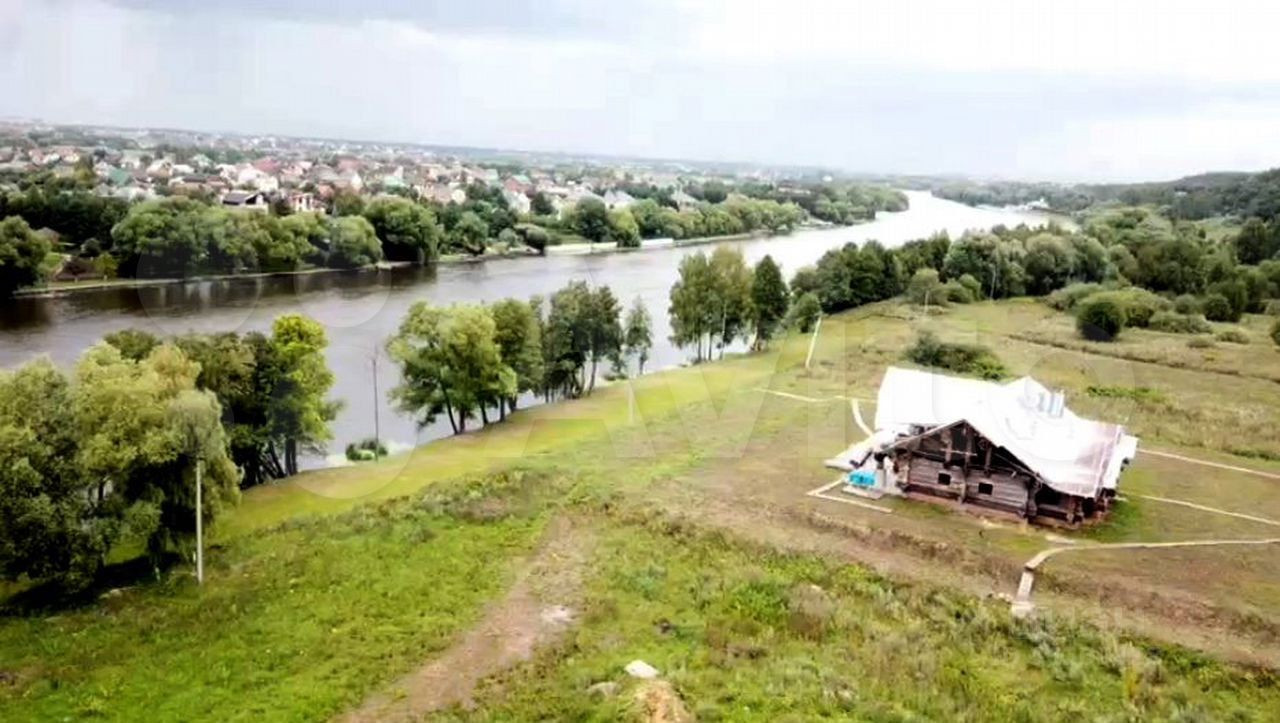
(536, 610)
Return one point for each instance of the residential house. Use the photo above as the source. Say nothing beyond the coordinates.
(1012, 448)
(684, 201)
(301, 202)
(616, 199)
(442, 193)
(518, 202)
(249, 200)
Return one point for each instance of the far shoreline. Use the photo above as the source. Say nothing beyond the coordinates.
(70, 288)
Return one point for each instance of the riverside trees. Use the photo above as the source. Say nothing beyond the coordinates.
(106, 452)
(22, 255)
(273, 390)
(464, 360)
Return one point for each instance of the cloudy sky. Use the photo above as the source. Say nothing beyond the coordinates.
(1078, 89)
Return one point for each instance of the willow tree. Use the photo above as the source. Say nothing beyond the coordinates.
(298, 411)
(450, 362)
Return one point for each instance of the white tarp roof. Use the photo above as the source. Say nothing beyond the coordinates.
(1072, 455)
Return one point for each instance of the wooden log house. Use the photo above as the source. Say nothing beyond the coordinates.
(1012, 449)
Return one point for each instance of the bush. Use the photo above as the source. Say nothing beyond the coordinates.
(1218, 308)
(1101, 317)
(1186, 304)
(972, 285)
(1233, 336)
(366, 450)
(1201, 342)
(1272, 308)
(924, 287)
(970, 359)
(957, 293)
(1175, 323)
(805, 312)
(1275, 332)
(1068, 296)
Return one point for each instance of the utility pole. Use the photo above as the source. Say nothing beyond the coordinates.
(199, 524)
(377, 436)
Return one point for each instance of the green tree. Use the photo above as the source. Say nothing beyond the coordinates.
(297, 410)
(1100, 318)
(133, 344)
(1218, 308)
(22, 255)
(732, 296)
(518, 334)
(638, 334)
(604, 329)
(541, 205)
(47, 524)
(623, 230)
(352, 243)
(769, 300)
(925, 288)
(162, 238)
(805, 312)
(140, 428)
(1256, 241)
(409, 231)
(589, 218)
(470, 234)
(693, 307)
(1050, 263)
(450, 362)
(567, 340)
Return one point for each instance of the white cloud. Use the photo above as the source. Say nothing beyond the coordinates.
(1086, 89)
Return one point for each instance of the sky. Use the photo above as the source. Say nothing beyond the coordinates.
(1071, 90)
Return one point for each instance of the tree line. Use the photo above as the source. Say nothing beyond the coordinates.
(470, 361)
(1138, 262)
(719, 299)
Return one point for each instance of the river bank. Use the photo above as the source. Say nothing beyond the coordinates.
(361, 309)
(63, 288)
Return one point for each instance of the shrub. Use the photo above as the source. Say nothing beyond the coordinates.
(1068, 296)
(805, 312)
(366, 450)
(1140, 305)
(1233, 336)
(1175, 323)
(1272, 308)
(924, 287)
(1186, 304)
(1218, 308)
(973, 286)
(1100, 317)
(970, 359)
(1137, 394)
(1275, 332)
(956, 293)
(1201, 342)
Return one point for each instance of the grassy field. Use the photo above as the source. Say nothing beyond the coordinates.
(746, 634)
(324, 589)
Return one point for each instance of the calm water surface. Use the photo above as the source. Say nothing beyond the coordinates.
(362, 309)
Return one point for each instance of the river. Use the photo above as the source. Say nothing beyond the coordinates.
(361, 309)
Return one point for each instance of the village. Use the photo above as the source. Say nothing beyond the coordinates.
(306, 175)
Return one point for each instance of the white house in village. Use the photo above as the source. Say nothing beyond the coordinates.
(617, 199)
(518, 202)
(1010, 447)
